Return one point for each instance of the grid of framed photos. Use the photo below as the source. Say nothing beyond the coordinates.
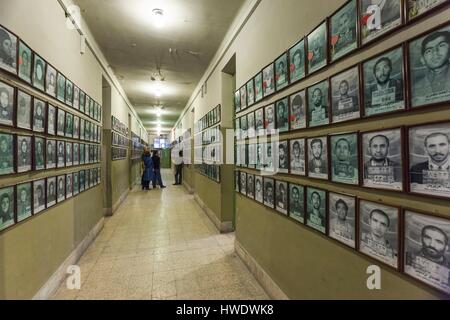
(26, 199)
(212, 118)
(118, 153)
(19, 60)
(348, 29)
(210, 171)
(406, 240)
(119, 126)
(119, 140)
(137, 147)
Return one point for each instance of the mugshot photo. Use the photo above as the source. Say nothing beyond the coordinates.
(269, 116)
(23, 153)
(297, 202)
(7, 101)
(259, 196)
(268, 80)
(61, 153)
(269, 157)
(24, 108)
(69, 185)
(429, 72)
(281, 196)
(317, 48)
(61, 87)
(61, 122)
(6, 153)
(243, 186)
(297, 157)
(318, 104)
(343, 37)
(383, 161)
(383, 83)
(342, 218)
(297, 62)
(8, 51)
(39, 113)
(69, 92)
(429, 159)
(6, 207)
(69, 125)
(50, 81)
(39, 72)
(61, 188)
(251, 186)
(39, 153)
(297, 104)
(68, 154)
(259, 121)
(316, 215)
(51, 157)
(269, 192)
(318, 158)
(345, 96)
(282, 109)
(39, 196)
(378, 232)
(427, 255)
(25, 62)
(24, 201)
(51, 191)
(76, 97)
(281, 72)
(51, 120)
(345, 158)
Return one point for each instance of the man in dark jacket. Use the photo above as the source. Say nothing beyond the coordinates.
(157, 170)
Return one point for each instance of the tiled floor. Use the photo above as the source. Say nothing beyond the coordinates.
(160, 245)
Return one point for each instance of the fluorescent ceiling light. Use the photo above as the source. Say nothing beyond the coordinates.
(158, 18)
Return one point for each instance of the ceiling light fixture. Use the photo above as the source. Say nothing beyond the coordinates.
(158, 18)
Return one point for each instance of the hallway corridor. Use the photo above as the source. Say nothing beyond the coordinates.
(161, 245)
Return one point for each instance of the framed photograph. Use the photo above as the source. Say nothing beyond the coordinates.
(268, 80)
(237, 101)
(345, 158)
(297, 202)
(24, 199)
(82, 101)
(82, 180)
(282, 107)
(345, 96)
(61, 89)
(379, 18)
(259, 121)
(6, 153)
(297, 104)
(76, 97)
(383, 160)
(281, 198)
(82, 153)
(39, 72)
(38, 196)
(297, 61)
(298, 157)
(258, 83)
(24, 107)
(76, 127)
(51, 158)
(69, 92)
(429, 68)
(269, 157)
(269, 192)
(251, 186)
(51, 191)
(24, 153)
(243, 92)
(379, 232)
(244, 127)
(281, 72)
(7, 102)
(384, 90)
(61, 190)
(237, 181)
(69, 125)
(260, 147)
(243, 188)
(250, 93)
(69, 185)
(251, 155)
(61, 154)
(418, 8)
(243, 154)
(51, 120)
(426, 255)
(269, 116)
(61, 123)
(39, 153)
(429, 158)
(39, 113)
(251, 125)
(76, 185)
(8, 53)
(317, 48)
(25, 62)
(6, 207)
(283, 156)
(318, 158)
(316, 212)
(69, 159)
(343, 29)
(76, 154)
(318, 104)
(342, 218)
(50, 80)
(259, 196)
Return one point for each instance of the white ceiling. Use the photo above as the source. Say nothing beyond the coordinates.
(135, 48)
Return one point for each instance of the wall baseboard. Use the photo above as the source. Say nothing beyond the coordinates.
(223, 227)
(110, 211)
(55, 281)
(189, 189)
(272, 289)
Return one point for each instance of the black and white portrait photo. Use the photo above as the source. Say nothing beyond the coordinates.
(282, 153)
(317, 48)
(250, 93)
(8, 51)
(25, 62)
(259, 121)
(39, 196)
(6, 153)
(61, 153)
(82, 180)
(243, 188)
(69, 125)
(69, 185)
(24, 153)
(281, 72)
(50, 81)
(298, 155)
(51, 154)
(251, 125)
(318, 104)
(24, 108)
(251, 186)
(269, 192)
(342, 218)
(379, 17)
(427, 255)
(61, 87)
(429, 159)
(345, 96)
(318, 158)
(76, 127)
(69, 92)
(61, 122)
(61, 188)
(282, 109)
(383, 83)
(76, 97)
(298, 110)
(316, 202)
(297, 62)
(76, 154)
(297, 202)
(244, 127)
(258, 84)
(378, 229)
(82, 101)
(76, 186)
(268, 80)
(269, 123)
(6, 104)
(429, 72)
(345, 158)
(24, 199)
(237, 101)
(39, 112)
(6, 207)
(39, 72)
(243, 92)
(51, 191)
(281, 197)
(343, 24)
(251, 155)
(39, 153)
(383, 164)
(259, 196)
(69, 160)
(51, 120)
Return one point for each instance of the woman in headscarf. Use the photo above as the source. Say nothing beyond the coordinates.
(147, 165)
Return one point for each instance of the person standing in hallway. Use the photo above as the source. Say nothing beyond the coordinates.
(147, 165)
(157, 170)
(179, 169)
